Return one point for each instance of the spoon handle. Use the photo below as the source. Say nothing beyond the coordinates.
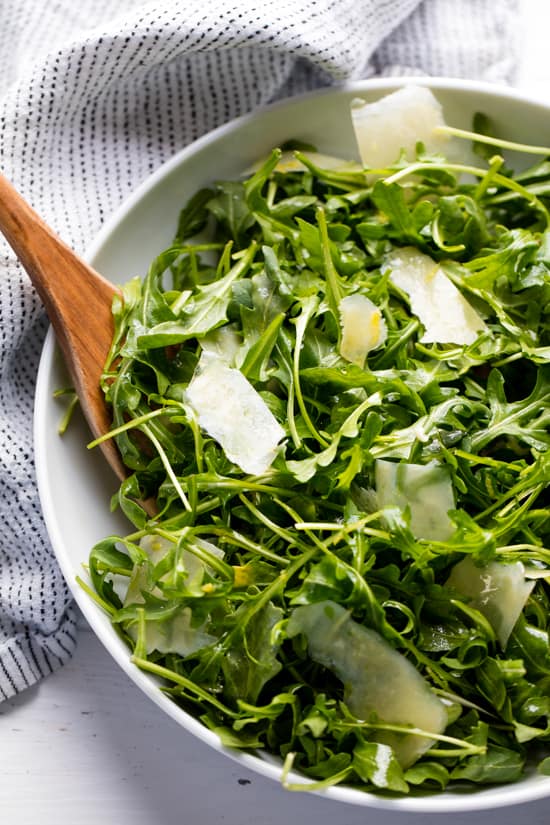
(77, 300)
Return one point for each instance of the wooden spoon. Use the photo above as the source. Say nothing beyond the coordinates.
(78, 302)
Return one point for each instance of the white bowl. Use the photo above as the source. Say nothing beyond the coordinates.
(75, 485)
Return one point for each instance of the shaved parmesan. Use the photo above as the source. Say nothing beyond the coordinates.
(230, 410)
(175, 632)
(157, 547)
(498, 591)
(363, 328)
(446, 315)
(395, 124)
(377, 678)
(187, 562)
(425, 489)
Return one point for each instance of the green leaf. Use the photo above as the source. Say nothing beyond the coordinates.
(254, 185)
(328, 768)
(428, 773)
(252, 660)
(498, 765)
(356, 459)
(206, 311)
(288, 207)
(305, 468)
(231, 739)
(527, 419)
(390, 200)
(459, 225)
(334, 580)
(376, 764)
(255, 364)
(532, 645)
(194, 215)
(518, 248)
(231, 210)
(128, 499)
(265, 304)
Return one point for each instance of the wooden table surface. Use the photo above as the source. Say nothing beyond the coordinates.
(86, 747)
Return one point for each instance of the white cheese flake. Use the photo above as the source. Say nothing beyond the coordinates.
(383, 761)
(174, 634)
(377, 678)
(396, 123)
(425, 489)
(363, 328)
(498, 591)
(235, 415)
(445, 314)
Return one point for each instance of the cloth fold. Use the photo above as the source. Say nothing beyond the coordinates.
(94, 97)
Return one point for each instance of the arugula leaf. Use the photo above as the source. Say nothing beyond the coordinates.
(526, 420)
(194, 215)
(206, 311)
(252, 660)
(390, 201)
(375, 763)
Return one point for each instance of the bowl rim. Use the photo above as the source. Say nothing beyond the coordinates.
(461, 800)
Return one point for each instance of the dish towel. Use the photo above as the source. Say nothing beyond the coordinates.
(96, 95)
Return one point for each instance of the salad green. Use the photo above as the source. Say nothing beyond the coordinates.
(348, 562)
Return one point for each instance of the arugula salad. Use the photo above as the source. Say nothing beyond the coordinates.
(332, 395)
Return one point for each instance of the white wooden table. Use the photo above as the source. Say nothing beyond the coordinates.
(85, 747)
